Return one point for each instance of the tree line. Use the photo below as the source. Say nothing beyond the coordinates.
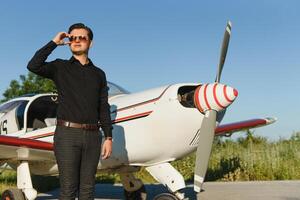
(27, 84)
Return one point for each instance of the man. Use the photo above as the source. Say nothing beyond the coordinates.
(83, 106)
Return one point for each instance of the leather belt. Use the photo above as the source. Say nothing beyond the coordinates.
(61, 122)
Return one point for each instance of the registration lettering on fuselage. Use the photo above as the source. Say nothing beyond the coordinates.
(3, 127)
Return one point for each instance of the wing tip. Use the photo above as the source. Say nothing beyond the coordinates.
(270, 120)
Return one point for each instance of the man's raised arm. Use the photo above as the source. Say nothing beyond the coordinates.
(38, 64)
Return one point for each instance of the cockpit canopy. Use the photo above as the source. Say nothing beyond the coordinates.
(115, 89)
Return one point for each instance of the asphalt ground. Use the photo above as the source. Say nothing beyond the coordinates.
(256, 190)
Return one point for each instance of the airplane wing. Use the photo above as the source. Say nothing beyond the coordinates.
(14, 148)
(228, 129)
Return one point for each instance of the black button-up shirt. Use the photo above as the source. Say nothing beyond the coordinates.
(82, 89)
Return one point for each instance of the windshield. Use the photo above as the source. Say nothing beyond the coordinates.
(4, 108)
(115, 89)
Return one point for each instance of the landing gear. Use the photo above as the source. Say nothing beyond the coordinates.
(24, 182)
(134, 188)
(166, 174)
(13, 194)
(24, 188)
(165, 196)
(140, 194)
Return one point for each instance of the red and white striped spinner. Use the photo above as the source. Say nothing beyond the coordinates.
(214, 96)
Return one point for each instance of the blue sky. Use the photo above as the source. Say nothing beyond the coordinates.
(145, 44)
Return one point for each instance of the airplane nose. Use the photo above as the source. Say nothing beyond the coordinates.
(235, 92)
(214, 96)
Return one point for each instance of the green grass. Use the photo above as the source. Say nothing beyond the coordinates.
(249, 158)
(7, 179)
(246, 159)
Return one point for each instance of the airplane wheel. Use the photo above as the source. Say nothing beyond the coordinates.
(140, 194)
(13, 194)
(165, 196)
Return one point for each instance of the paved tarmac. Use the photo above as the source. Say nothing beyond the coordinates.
(256, 190)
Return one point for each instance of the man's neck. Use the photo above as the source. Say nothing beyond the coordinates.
(83, 58)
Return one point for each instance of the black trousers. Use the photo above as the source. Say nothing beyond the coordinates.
(77, 153)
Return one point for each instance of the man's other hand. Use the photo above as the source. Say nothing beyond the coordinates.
(106, 149)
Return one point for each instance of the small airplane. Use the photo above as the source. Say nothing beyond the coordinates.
(150, 129)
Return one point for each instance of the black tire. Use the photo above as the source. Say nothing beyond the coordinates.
(13, 194)
(165, 196)
(140, 194)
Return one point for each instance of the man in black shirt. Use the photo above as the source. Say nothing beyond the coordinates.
(83, 106)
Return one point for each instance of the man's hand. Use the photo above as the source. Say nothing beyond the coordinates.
(59, 38)
(106, 149)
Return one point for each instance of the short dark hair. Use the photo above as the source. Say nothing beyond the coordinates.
(81, 26)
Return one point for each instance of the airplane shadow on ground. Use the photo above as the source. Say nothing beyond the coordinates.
(115, 192)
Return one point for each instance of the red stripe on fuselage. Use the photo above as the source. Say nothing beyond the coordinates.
(122, 119)
(42, 135)
(141, 103)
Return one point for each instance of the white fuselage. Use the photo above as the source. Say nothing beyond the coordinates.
(149, 127)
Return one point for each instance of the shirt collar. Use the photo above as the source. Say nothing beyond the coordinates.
(73, 59)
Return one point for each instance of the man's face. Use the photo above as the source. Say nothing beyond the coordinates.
(80, 41)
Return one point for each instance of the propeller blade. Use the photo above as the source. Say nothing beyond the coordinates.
(224, 49)
(207, 132)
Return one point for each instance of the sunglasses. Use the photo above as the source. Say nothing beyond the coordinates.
(81, 38)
